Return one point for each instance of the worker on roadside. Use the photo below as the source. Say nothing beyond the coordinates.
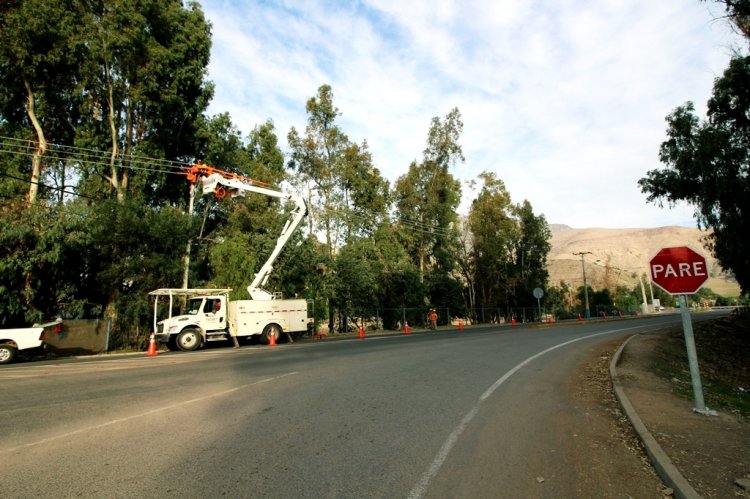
(433, 319)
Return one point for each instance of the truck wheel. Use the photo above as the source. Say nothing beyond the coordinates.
(189, 339)
(7, 353)
(265, 336)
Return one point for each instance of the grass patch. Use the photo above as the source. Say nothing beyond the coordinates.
(723, 347)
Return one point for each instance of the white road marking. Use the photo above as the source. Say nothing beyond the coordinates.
(147, 413)
(420, 488)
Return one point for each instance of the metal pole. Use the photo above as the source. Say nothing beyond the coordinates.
(585, 286)
(106, 341)
(695, 376)
(644, 307)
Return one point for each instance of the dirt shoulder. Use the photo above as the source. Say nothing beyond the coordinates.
(711, 452)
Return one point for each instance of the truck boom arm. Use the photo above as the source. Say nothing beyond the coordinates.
(224, 184)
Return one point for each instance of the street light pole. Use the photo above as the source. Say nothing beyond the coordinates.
(585, 286)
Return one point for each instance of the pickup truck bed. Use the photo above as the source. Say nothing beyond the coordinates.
(27, 341)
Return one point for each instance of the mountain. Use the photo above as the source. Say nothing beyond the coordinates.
(619, 256)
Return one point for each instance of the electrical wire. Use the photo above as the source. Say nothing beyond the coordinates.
(86, 156)
(93, 157)
(50, 187)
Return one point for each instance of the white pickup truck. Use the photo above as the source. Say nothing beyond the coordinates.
(26, 341)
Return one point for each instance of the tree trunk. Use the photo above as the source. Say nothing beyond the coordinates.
(41, 149)
(114, 178)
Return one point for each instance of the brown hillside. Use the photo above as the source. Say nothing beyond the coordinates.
(619, 256)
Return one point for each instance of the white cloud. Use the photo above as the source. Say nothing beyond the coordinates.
(564, 100)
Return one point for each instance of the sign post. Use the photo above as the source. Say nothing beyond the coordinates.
(538, 293)
(681, 271)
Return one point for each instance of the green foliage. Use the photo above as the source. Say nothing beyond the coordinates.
(427, 198)
(531, 252)
(118, 91)
(76, 260)
(446, 292)
(707, 166)
(510, 247)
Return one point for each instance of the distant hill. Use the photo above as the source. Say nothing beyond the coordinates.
(619, 256)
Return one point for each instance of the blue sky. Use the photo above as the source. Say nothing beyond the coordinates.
(564, 100)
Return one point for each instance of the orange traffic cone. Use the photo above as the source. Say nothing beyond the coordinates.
(361, 331)
(460, 325)
(151, 352)
(513, 321)
(406, 328)
(272, 337)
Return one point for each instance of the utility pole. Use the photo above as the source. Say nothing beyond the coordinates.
(585, 286)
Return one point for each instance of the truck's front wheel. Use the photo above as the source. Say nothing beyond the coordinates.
(189, 339)
(7, 353)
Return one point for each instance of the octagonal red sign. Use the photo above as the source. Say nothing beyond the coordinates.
(678, 270)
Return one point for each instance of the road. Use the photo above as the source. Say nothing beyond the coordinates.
(439, 414)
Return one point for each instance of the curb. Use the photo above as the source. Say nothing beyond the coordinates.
(666, 470)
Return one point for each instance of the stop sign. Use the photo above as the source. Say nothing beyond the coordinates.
(678, 270)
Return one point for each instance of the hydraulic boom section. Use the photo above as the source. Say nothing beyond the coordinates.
(223, 184)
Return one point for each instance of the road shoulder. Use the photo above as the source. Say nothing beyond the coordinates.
(710, 452)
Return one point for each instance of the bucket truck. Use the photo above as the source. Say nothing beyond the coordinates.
(209, 314)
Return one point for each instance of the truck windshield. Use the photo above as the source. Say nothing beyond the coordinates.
(194, 306)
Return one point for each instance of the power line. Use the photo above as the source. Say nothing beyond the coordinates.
(423, 227)
(86, 156)
(53, 188)
(93, 157)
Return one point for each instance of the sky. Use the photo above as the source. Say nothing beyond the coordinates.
(564, 100)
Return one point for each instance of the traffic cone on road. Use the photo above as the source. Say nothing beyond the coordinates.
(272, 337)
(460, 325)
(361, 331)
(151, 352)
(406, 328)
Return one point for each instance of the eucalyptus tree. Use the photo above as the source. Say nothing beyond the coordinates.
(146, 88)
(42, 48)
(494, 234)
(706, 160)
(707, 166)
(366, 194)
(465, 262)
(348, 194)
(348, 197)
(428, 195)
(531, 250)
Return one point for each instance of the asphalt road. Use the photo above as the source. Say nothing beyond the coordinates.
(439, 414)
